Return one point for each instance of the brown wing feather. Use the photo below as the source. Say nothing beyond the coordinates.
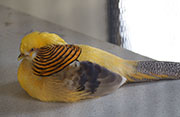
(50, 60)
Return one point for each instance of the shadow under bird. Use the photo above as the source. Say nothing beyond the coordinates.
(52, 70)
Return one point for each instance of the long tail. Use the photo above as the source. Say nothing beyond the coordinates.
(152, 70)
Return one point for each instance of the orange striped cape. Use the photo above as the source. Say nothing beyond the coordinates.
(52, 59)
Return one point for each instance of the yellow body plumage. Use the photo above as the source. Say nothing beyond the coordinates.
(63, 85)
(38, 87)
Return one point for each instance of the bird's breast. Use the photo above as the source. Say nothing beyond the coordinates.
(58, 87)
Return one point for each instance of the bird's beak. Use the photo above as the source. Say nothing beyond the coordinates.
(21, 56)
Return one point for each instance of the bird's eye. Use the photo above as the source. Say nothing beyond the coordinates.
(32, 49)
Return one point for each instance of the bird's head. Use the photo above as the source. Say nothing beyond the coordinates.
(31, 42)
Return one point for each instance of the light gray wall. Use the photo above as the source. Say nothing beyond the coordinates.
(85, 16)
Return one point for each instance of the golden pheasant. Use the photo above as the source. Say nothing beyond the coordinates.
(52, 70)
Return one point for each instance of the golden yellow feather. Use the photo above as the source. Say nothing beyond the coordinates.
(76, 76)
(39, 39)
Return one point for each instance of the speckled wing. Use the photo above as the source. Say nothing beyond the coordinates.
(52, 59)
(98, 80)
(90, 78)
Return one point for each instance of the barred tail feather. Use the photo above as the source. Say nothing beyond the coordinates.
(154, 70)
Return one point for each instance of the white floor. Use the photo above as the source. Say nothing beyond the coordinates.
(153, 27)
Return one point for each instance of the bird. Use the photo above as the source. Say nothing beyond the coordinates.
(52, 70)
